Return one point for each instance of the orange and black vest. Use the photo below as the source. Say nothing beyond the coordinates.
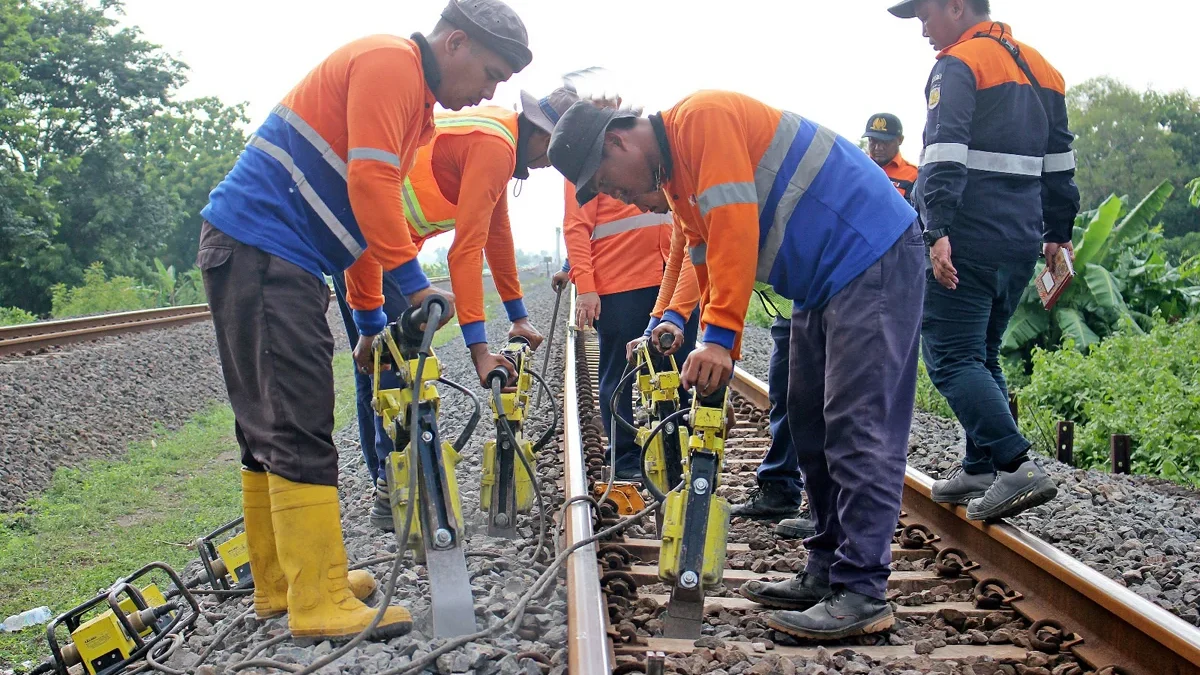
(903, 175)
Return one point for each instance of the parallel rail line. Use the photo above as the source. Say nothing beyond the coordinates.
(1105, 626)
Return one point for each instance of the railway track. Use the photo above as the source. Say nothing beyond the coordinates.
(964, 592)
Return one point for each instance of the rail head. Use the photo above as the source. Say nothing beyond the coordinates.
(588, 649)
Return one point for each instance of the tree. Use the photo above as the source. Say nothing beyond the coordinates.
(1128, 142)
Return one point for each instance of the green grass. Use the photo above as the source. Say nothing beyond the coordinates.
(108, 518)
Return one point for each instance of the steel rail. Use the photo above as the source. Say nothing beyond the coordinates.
(39, 335)
(1117, 626)
(588, 649)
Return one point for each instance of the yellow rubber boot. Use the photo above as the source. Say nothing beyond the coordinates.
(308, 539)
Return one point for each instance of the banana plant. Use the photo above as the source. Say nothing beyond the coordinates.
(1095, 305)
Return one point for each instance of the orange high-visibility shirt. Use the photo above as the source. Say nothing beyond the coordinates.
(614, 247)
(459, 184)
(903, 175)
(679, 293)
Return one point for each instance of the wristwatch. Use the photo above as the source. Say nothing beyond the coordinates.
(932, 236)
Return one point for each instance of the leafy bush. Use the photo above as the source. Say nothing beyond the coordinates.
(928, 398)
(99, 294)
(1147, 386)
(173, 289)
(15, 316)
(1180, 249)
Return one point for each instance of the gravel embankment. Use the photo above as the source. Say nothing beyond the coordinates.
(500, 570)
(91, 400)
(1142, 532)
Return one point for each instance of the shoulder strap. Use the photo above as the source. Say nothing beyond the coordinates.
(1015, 52)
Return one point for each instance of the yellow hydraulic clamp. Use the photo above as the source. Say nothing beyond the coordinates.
(422, 458)
(226, 558)
(696, 520)
(658, 400)
(506, 488)
(131, 622)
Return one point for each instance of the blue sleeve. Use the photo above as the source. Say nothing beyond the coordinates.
(673, 317)
(566, 265)
(1060, 195)
(474, 333)
(654, 321)
(410, 277)
(950, 97)
(719, 336)
(370, 321)
(516, 309)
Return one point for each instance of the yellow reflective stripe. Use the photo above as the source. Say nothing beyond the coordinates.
(416, 217)
(456, 122)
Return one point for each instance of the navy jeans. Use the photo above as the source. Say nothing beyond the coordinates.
(850, 402)
(373, 440)
(780, 466)
(961, 334)
(623, 317)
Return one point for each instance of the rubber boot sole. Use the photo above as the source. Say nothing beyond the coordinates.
(1041, 491)
(385, 523)
(776, 602)
(959, 500)
(790, 532)
(763, 515)
(392, 630)
(868, 626)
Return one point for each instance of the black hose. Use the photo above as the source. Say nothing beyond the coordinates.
(612, 401)
(646, 482)
(549, 432)
(465, 436)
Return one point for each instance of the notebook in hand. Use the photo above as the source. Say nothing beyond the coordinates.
(1055, 278)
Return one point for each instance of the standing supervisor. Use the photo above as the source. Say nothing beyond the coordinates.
(996, 187)
(884, 136)
(318, 187)
(457, 184)
(766, 194)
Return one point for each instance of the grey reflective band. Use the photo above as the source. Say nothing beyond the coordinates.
(724, 194)
(698, 254)
(310, 134)
(999, 162)
(945, 152)
(374, 154)
(309, 194)
(1063, 161)
(768, 166)
(628, 224)
(806, 172)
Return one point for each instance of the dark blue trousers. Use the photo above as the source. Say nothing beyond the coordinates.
(961, 334)
(850, 402)
(371, 437)
(623, 317)
(780, 466)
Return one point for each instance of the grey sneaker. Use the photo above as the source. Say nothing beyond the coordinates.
(1012, 493)
(961, 487)
(796, 528)
(381, 510)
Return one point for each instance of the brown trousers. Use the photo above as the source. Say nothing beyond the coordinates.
(276, 355)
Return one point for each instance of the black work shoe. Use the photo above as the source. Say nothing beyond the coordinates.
(801, 592)
(381, 510)
(841, 615)
(628, 475)
(766, 501)
(961, 487)
(1014, 492)
(796, 528)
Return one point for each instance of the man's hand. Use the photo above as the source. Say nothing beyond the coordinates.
(364, 357)
(666, 328)
(1051, 250)
(587, 309)
(417, 298)
(560, 280)
(522, 328)
(632, 346)
(943, 268)
(486, 362)
(707, 368)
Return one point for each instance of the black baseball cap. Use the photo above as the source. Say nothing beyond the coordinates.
(904, 10)
(577, 145)
(495, 25)
(884, 127)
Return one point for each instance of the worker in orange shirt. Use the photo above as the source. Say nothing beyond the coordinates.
(769, 195)
(884, 136)
(318, 187)
(458, 184)
(617, 253)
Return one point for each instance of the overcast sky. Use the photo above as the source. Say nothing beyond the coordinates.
(836, 62)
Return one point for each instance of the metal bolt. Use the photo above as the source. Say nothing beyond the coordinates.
(688, 579)
(442, 538)
(669, 428)
(700, 486)
(505, 445)
(501, 520)
(427, 436)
